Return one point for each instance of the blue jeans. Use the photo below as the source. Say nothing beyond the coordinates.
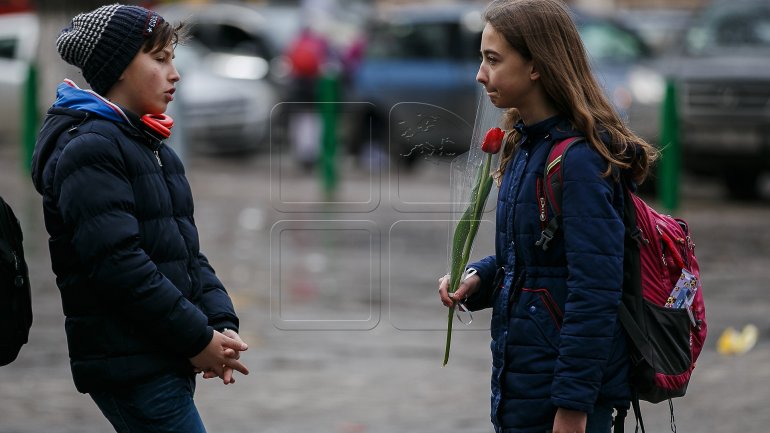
(164, 404)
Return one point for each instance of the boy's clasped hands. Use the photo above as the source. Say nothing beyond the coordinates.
(221, 357)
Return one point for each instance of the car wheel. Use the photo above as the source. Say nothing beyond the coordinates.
(742, 185)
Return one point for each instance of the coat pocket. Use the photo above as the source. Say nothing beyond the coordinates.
(545, 313)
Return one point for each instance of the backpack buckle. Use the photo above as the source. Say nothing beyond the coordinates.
(545, 237)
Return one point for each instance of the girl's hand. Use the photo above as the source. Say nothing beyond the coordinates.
(468, 287)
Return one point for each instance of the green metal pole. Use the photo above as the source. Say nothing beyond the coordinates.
(328, 95)
(29, 119)
(670, 164)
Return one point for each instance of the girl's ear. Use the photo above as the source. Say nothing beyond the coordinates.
(533, 74)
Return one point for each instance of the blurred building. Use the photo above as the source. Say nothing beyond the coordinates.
(588, 4)
(639, 4)
(15, 5)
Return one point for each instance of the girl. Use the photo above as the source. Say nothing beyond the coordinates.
(559, 354)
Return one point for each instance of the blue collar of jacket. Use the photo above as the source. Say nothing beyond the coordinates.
(69, 95)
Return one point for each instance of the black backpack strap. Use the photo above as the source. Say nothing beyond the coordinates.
(551, 193)
(637, 413)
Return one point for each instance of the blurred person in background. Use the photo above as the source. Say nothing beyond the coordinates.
(560, 359)
(144, 309)
(306, 56)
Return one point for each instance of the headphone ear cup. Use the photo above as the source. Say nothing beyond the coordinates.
(158, 123)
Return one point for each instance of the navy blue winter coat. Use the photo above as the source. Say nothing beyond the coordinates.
(556, 338)
(138, 295)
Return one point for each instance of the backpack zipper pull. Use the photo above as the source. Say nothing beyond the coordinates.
(541, 201)
(638, 236)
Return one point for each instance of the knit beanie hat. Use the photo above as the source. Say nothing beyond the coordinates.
(103, 42)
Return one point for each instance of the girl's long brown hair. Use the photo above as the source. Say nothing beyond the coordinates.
(544, 32)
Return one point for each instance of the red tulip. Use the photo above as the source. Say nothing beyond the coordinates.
(493, 140)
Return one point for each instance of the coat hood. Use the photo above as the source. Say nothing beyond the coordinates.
(73, 107)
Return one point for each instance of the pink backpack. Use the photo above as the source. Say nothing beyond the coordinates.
(662, 308)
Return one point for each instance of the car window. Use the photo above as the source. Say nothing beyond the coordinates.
(8, 48)
(414, 41)
(230, 39)
(738, 27)
(424, 41)
(607, 42)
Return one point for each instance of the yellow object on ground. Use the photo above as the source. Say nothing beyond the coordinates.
(732, 342)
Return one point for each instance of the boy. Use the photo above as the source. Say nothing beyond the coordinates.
(144, 309)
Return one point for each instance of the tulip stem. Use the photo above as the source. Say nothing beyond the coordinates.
(448, 336)
(465, 232)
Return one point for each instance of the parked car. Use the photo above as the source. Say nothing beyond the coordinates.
(421, 63)
(227, 91)
(225, 101)
(627, 68)
(660, 27)
(418, 74)
(226, 94)
(722, 77)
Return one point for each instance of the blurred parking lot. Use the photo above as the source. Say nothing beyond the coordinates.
(337, 295)
(407, 76)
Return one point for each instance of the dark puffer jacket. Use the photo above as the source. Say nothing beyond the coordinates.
(556, 340)
(138, 295)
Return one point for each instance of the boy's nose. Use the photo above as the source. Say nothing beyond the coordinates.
(175, 75)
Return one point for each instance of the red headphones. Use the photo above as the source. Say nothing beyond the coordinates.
(158, 123)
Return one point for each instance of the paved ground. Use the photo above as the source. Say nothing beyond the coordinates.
(338, 304)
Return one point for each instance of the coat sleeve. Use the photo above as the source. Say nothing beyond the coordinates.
(216, 303)
(96, 199)
(487, 270)
(593, 236)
